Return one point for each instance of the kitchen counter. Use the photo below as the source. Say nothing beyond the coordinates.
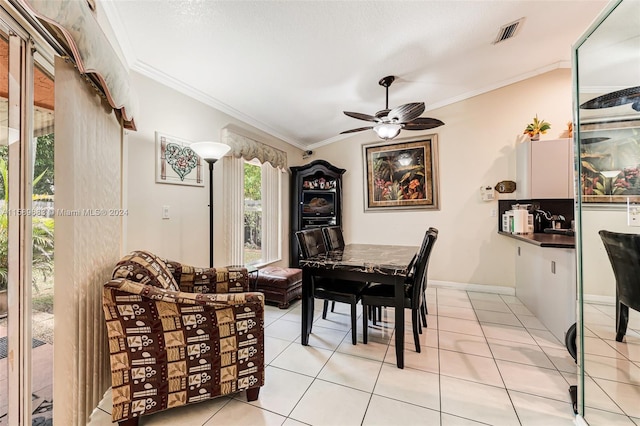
(544, 240)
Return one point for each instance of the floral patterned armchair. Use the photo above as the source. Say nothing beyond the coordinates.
(180, 335)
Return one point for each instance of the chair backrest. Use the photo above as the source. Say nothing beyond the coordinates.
(146, 268)
(333, 237)
(624, 254)
(311, 242)
(419, 282)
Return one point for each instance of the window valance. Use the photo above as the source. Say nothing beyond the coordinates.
(73, 25)
(248, 148)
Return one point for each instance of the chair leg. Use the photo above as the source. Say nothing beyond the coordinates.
(354, 327)
(380, 313)
(423, 313)
(325, 307)
(622, 319)
(415, 322)
(333, 306)
(374, 316)
(365, 325)
(252, 394)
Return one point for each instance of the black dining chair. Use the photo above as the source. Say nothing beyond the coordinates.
(415, 286)
(624, 254)
(311, 244)
(334, 240)
(423, 308)
(333, 237)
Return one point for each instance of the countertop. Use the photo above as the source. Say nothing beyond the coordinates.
(544, 240)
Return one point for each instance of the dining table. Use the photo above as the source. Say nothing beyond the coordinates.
(374, 263)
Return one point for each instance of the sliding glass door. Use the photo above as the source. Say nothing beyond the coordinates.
(4, 243)
(26, 230)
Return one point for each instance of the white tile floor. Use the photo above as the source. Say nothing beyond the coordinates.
(612, 369)
(484, 360)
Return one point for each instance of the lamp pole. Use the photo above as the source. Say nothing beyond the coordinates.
(210, 152)
(211, 163)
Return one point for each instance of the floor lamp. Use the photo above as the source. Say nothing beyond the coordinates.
(210, 152)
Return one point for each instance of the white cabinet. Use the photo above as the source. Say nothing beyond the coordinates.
(546, 285)
(544, 169)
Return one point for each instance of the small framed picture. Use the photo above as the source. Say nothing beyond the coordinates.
(176, 163)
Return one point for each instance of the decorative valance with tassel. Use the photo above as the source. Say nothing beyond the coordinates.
(73, 24)
(248, 148)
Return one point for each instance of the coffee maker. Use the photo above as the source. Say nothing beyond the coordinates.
(541, 220)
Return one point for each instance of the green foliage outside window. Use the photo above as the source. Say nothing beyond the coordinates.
(43, 227)
(252, 213)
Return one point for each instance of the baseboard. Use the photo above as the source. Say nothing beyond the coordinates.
(599, 300)
(481, 288)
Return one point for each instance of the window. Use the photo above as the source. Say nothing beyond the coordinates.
(253, 211)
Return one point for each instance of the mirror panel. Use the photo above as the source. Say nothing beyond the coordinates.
(607, 136)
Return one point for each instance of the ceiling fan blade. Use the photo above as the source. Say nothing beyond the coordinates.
(407, 112)
(361, 116)
(620, 97)
(359, 129)
(423, 123)
(587, 141)
(382, 114)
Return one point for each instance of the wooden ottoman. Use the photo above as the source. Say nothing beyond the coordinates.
(280, 285)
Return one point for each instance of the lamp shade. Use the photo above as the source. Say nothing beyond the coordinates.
(387, 130)
(210, 151)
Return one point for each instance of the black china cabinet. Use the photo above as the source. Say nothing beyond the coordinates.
(316, 199)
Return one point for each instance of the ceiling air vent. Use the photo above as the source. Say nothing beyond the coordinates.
(508, 31)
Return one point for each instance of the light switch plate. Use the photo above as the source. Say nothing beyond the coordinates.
(165, 212)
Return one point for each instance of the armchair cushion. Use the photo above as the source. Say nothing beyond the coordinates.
(170, 348)
(145, 268)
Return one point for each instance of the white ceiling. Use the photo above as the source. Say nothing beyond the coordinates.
(291, 67)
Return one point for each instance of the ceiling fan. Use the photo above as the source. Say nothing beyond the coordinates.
(389, 122)
(630, 95)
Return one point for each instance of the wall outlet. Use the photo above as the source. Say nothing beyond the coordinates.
(165, 212)
(633, 214)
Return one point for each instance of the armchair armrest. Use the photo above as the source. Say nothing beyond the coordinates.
(225, 279)
(215, 300)
(171, 348)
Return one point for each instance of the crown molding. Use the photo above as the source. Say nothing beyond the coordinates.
(196, 94)
(120, 33)
(500, 84)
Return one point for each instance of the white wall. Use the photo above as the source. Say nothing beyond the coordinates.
(477, 147)
(598, 281)
(184, 237)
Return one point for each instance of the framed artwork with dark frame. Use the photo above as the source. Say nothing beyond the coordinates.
(610, 161)
(176, 163)
(402, 175)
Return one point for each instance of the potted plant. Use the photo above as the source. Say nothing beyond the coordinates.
(536, 128)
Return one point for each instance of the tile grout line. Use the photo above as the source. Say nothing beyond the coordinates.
(499, 371)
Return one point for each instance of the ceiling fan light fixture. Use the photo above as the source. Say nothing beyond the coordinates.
(387, 131)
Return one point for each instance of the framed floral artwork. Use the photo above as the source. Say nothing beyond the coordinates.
(176, 163)
(402, 175)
